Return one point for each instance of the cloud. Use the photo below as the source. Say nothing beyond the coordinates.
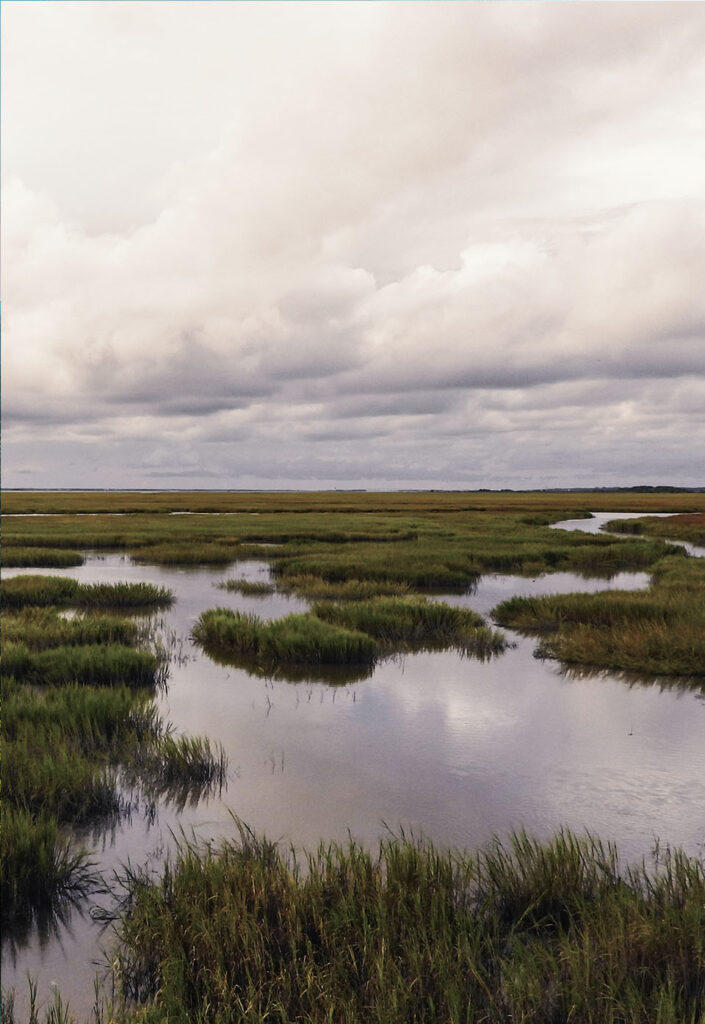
(354, 242)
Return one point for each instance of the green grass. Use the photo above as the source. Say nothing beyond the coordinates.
(193, 553)
(41, 868)
(522, 931)
(658, 632)
(315, 589)
(686, 527)
(68, 752)
(352, 633)
(63, 592)
(90, 664)
(410, 622)
(181, 770)
(248, 588)
(31, 557)
(423, 541)
(294, 639)
(41, 628)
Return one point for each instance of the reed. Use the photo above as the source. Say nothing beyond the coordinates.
(38, 591)
(126, 596)
(68, 754)
(57, 781)
(524, 930)
(181, 770)
(104, 721)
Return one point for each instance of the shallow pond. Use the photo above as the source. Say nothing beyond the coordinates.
(451, 747)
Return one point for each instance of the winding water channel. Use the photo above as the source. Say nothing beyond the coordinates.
(456, 749)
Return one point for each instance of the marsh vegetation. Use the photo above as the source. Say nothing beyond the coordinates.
(550, 930)
(77, 710)
(660, 631)
(521, 930)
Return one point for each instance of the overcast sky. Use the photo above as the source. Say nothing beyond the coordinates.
(353, 245)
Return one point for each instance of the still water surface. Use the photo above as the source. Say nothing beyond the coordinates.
(451, 747)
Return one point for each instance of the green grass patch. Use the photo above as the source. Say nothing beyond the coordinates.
(660, 631)
(63, 592)
(41, 628)
(89, 664)
(188, 554)
(294, 639)
(523, 931)
(414, 622)
(41, 868)
(315, 589)
(689, 527)
(351, 633)
(35, 557)
(68, 754)
(248, 588)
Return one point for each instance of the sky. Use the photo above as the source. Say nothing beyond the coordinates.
(353, 245)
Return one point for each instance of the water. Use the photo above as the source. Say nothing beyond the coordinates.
(454, 748)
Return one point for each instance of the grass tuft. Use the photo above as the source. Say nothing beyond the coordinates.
(523, 931)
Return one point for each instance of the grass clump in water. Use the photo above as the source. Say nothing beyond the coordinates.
(63, 592)
(248, 588)
(295, 639)
(399, 622)
(525, 930)
(187, 554)
(315, 588)
(90, 664)
(357, 632)
(41, 868)
(41, 628)
(182, 769)
(14, 556)
(660, 631)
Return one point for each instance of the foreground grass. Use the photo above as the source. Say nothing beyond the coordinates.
(660, 631)
(523, 931)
